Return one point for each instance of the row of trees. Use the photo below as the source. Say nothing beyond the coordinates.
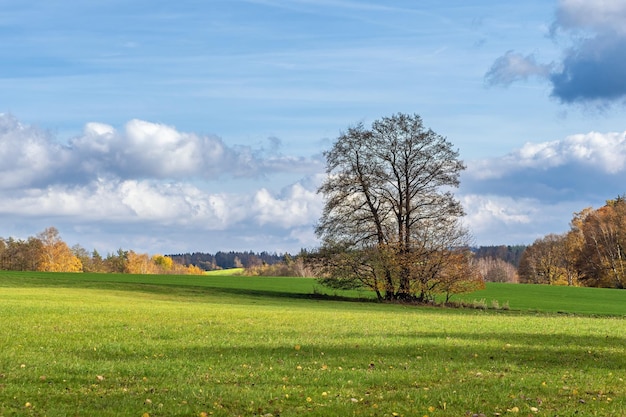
(45, 252)
(48, 252)
(511, 254)
(592, 253)
(227, 260)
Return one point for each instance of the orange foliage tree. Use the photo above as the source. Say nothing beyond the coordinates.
(602, 259)
(56, 256)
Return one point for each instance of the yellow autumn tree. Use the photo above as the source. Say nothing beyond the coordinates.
(164, 263)
(139, 263)
(56, 256)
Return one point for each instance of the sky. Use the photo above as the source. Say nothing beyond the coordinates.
(200, 126)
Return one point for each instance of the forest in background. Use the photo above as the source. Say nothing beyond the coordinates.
(48, 252)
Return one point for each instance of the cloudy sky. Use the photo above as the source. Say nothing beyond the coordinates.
(167, 127)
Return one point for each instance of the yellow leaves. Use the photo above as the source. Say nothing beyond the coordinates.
(513, 410)
(297, 347)
(163, 262)
(56, 256)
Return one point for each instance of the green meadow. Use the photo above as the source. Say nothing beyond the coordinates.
(133, 345)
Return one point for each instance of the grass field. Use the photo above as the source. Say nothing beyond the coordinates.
(111, 345)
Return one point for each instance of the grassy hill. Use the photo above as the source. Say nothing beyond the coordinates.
(524, 298)
(118, 345)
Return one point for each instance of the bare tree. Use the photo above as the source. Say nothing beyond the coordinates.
(497, 270)
(390, 221)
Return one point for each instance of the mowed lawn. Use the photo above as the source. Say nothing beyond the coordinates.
(115, 345)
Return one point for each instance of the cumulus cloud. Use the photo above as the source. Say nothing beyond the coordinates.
(592, 67)
(534, 190)
(180, 204)
(500, 219)
(149, 177)
(27, 155)
(142, 150)
(602, 152)
(145, 207)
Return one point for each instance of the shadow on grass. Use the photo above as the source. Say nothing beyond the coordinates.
(290, 295)
(526, 353)
(170, 289)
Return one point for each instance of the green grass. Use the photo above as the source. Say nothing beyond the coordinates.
(111, 345)
(554, 299)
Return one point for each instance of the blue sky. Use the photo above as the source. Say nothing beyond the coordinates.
(199, 125)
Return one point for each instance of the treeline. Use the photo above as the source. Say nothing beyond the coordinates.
(592, 253)
(227, 260)
(507, 253)
(48, 252)
(498, 263)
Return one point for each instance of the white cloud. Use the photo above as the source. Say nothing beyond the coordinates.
(296, 206)
(601, 152)
(143, 150)
(27, 154)
(513, 67)
(485, 210)
(507, 220)
(161, 204)
(146, 149)
(600, 15)
(150, 178)
(534, 190)
(166, 203)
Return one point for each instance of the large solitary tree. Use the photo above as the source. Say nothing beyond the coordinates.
(390, 221)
